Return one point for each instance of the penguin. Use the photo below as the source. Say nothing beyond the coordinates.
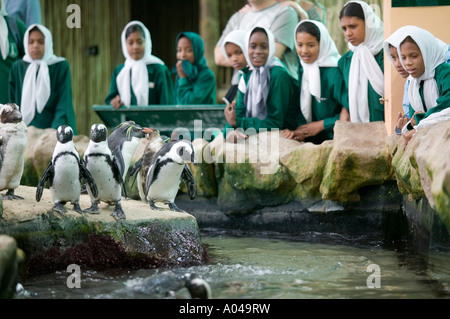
(13, 142)
(167, 168)
(64, 174)
(123, 142)
(103, 167)
(198, 288)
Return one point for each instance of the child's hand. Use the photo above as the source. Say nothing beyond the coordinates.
(413, 120)
(345, 115)
(310, 129)
(287, 133)
(180, 70)
(408, 135)
(401, 121)
(116, 102)
(230, 114)
(235, 136)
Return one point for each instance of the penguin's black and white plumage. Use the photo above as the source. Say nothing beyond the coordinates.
(165, 172)
(123, 142)
(102, 165)
(13, 142)
(65, 173)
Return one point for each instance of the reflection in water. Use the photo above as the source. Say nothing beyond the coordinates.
(254, 267)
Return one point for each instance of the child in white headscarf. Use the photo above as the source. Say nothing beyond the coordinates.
(268, 95)
(40, 83)
(12, 31)
(322, 89)
(423, 56)
(362, 66)
(143, 79)
(233, 50)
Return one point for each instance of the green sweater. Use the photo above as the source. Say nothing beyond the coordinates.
(160, 85)
(376, 109)
(14, 55)
(59, 108)
(282, 103)
(442, 76)
(200, 91)
(334, 97)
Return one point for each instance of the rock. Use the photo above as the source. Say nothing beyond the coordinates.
(359, 157)
(145, 239)
(11, 259)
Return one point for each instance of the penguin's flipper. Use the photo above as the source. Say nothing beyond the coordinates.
(117, 153)
(189, 180)
(118, 176)
(149, 178)
(86, 175)
(135, 169)
(47, 175)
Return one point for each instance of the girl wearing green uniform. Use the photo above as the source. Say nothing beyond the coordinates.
(322, 89)
(423, 56)
(40, 83)
(195, 82)
(362, 67)
(150, 80)
(10, 48)
(267, 97)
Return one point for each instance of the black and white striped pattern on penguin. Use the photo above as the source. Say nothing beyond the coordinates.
(64, 173)
(103, 167)
(168, 168)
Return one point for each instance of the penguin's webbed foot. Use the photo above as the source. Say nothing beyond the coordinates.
(118, 212)
(93, 209)
(153, 206)
(77, 208)
(174, 207)
(10, 195)
(59, 208)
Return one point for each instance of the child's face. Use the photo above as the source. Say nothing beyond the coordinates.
(258, 49)
(307, 46)
(136, 45)
(354, 30)
(412, 59)
(36, 44)
(185, 51)
(235, 56)
(397, 63)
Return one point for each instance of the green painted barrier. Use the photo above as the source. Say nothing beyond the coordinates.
(199, 120)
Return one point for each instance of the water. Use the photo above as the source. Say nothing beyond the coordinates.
(255, 267)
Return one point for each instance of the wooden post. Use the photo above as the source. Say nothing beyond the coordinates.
(209, 29)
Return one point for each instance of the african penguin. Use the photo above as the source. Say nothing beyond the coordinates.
(167, 169)
(13, 142)
(123, 142)
(65, 173)
(103, 167)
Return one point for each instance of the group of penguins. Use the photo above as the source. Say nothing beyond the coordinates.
(103, 168)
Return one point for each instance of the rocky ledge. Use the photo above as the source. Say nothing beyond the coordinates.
(146, 239)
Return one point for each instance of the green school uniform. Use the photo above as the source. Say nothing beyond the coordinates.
(334, 97)
(14, 55)
(376, 109)
(442, 77)
(282, 103)
(160, 85)
(59, 108)
(199, 86)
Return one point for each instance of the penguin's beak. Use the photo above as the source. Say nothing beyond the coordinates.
(147, 130)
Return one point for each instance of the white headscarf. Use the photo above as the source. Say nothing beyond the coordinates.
(4, 42)
(364, 67)
(139, 74)
(258, 85)
(434, 53)
(36, 84)
(236, 37)
(311, 83)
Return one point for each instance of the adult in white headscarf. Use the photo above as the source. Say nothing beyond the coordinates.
(364, 63)
(40, 83)
(144, 78)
